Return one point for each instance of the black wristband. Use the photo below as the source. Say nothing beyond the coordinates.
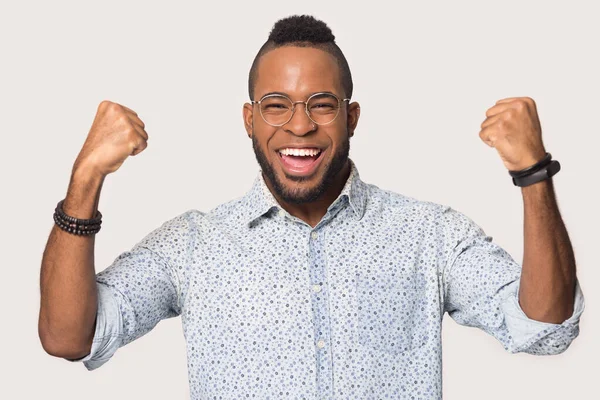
(540, 174)
(535, 167)
(543, 169)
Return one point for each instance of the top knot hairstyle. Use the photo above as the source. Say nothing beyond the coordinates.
(300, 28)
(302, 31)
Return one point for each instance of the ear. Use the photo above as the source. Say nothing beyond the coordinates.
(248, 115)
(353, 116)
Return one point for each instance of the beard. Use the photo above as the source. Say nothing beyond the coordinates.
(297, 195)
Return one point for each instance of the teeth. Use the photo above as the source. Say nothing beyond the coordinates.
(300, 152)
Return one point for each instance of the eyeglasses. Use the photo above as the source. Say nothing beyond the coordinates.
(277, 110)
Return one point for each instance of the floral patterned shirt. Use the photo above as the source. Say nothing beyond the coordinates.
(350, 309)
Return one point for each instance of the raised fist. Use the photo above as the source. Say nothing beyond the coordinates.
(116, 133)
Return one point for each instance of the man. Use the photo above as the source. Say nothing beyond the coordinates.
(315, 284)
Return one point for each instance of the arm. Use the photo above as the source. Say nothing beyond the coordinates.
(140, 288)
(547, 288)
(484, 282)
(67, 281)
(481, 285)
(69, 295)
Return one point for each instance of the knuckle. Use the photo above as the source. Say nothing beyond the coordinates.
(133, 144)
(122, 118)
(105, 103)
(521, 105)
(138, 147)
(131, 131)
(113, 108)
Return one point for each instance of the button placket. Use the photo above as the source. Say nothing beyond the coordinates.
(320, 306)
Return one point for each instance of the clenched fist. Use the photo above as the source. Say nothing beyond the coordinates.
(513, 128)
(116, 133)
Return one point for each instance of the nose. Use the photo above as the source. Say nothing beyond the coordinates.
(300, 124)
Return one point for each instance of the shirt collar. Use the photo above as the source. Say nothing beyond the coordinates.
(259, 200)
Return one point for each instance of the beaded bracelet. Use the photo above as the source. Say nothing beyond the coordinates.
(74, 225)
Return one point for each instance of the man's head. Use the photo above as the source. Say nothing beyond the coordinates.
(299, 59)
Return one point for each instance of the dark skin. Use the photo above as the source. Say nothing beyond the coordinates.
(547, 291)
(299, 72)
(548, 276)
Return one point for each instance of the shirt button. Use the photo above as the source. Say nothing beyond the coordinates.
(281, 213)
(314, 235)
(317, 288)
(321, 344)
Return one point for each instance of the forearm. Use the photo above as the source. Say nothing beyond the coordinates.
(548, 277)
(67, 278)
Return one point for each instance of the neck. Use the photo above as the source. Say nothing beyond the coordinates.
(313, 212)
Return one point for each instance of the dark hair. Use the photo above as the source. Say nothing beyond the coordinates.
(302, 31)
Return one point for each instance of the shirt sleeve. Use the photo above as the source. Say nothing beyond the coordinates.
(108, 331)
(138, 290)
(481, 286)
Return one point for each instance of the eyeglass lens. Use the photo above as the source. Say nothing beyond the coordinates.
(277, 110)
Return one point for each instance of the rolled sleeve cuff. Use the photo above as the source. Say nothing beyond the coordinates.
(108, 333)
(525, 332)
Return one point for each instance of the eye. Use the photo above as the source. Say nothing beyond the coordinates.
(322, 105)
(275, 106)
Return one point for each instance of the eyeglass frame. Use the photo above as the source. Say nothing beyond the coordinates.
(340, 101)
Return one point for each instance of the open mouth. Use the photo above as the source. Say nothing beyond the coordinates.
(300, 161)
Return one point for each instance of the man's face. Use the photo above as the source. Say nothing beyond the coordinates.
(299, 72)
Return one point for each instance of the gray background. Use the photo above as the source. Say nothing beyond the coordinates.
(424, 74)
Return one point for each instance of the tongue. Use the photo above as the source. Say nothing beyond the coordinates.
(299, 161)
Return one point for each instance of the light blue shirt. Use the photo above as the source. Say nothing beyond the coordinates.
(272, 308)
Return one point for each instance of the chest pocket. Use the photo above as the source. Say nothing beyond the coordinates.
(391, 312)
